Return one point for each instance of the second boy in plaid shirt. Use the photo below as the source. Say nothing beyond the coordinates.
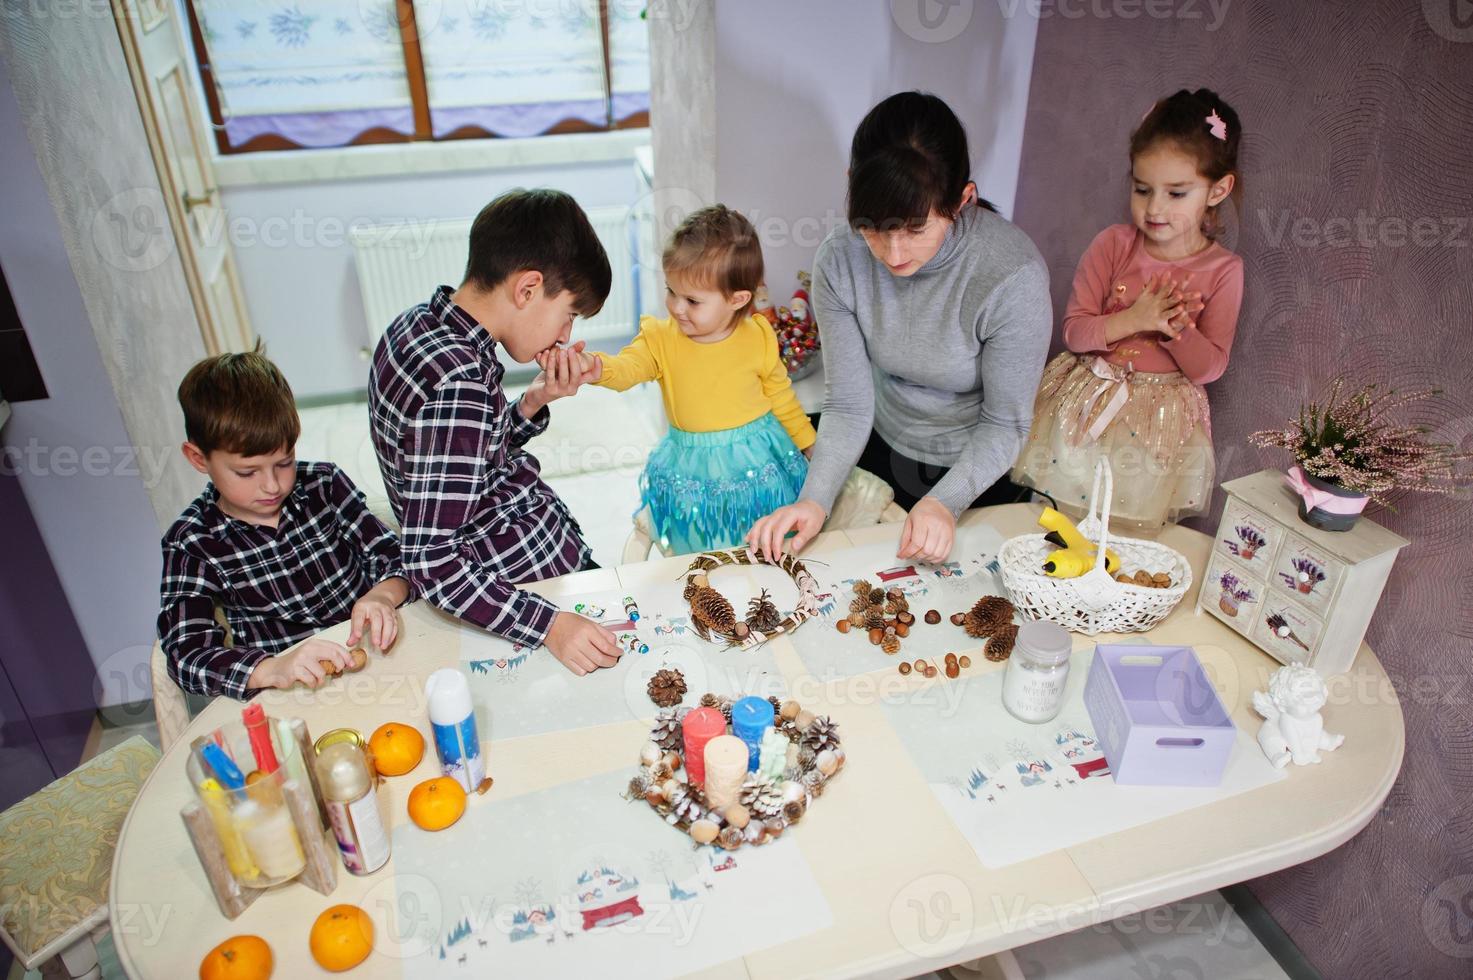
(476, 518)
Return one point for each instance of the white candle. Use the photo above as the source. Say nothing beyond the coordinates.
(726, 770)
(272, 839)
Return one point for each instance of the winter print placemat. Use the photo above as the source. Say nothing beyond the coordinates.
(520, 691)
(574, 881)
(1016, 790)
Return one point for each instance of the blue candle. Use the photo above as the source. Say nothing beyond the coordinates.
(750, 717)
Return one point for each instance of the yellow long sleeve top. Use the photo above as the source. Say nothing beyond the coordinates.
(709, 387)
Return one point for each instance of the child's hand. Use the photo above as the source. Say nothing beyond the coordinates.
(804, 517)
(304, 664)
(581, 645)
(1161, 300)
(374, 618)
(563, 372)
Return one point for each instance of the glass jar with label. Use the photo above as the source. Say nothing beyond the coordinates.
(1037, 672)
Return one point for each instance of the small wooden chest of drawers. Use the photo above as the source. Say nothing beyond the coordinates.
(1302, 595)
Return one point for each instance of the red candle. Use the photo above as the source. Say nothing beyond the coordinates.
(699, 726)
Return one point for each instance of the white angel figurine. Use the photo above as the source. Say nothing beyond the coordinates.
(1292, 729)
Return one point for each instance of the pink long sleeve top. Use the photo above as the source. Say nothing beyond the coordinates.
(1111, 275)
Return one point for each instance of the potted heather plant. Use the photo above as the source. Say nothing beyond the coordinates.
(1349, 452)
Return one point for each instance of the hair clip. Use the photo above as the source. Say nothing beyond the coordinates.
(1216, 126)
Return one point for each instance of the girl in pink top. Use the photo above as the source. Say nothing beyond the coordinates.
(1150, 321)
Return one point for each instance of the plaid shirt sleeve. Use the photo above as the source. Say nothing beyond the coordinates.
(521, 428)
(198, 659)
(378, 545)
(445, 469)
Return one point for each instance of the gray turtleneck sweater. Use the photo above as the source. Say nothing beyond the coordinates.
(943, 364)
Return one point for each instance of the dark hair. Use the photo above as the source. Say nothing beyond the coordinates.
(717, 246)
(542, 231)
(1186, 121)
(239, 403)
(908, 158)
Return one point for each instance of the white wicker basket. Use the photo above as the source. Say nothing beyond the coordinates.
(1094, 602)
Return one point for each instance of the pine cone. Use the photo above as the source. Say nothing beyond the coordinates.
(762, 614)
(684, 806)
(822, 734)
(859, 605)
(863, 589)
(711, 609)
(709, 700)
(989, 615)
(890, 644)
(1000, 645)
(777, 705)
(874, 620)
(858, 619)
(762, 798)
(666, 733)
(667, 687)
(876, 597)
(690, 590)
(724, 705)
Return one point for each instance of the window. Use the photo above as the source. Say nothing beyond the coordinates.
(291, 74)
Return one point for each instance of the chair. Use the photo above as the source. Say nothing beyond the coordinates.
(170, 703)
(865, 499)
(170, 709)
(56, 856)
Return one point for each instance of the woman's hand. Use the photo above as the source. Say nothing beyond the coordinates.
(929, 532)
(805, 517)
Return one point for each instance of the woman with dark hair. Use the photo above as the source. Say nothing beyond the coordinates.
(935, 318)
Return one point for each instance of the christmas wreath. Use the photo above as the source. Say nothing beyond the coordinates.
(770, 800)
(713, 615)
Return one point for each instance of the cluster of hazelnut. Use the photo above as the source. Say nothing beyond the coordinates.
(1145, 579)
(952, 666)
(886, 615)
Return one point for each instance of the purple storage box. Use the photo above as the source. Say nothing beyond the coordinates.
(1157, 716)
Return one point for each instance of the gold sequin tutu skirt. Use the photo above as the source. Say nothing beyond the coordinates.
(1155, 429)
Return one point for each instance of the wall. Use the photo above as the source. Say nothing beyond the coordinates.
(296, 263)
(794, 80)
(98, 481)
(1356, 237)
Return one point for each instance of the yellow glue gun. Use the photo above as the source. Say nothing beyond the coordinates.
(1078, 554)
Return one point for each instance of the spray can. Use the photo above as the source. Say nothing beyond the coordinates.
(453, 720)
(352, 806)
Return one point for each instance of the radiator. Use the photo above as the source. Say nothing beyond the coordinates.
(400, 263)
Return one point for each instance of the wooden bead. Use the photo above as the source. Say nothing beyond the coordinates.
(933, 617)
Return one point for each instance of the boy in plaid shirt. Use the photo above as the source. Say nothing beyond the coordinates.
(284, 548)
(477, 518)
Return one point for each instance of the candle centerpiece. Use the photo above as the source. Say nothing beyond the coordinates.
(736, 772)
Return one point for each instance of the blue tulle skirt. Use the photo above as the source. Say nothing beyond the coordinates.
(705, 490)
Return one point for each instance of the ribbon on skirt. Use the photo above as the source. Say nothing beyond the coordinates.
(1109, 375)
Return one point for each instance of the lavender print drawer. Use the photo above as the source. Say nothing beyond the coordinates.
(1248, 537)
(1306, 573)
(1285, 630)
(1231, 594)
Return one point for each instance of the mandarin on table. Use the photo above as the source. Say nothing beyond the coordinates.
(341, 938)
(238, 958)
(396, 748)
(436, 803)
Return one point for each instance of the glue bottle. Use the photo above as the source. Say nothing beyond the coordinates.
(453, 720)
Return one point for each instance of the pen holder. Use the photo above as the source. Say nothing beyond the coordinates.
(265, 832)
